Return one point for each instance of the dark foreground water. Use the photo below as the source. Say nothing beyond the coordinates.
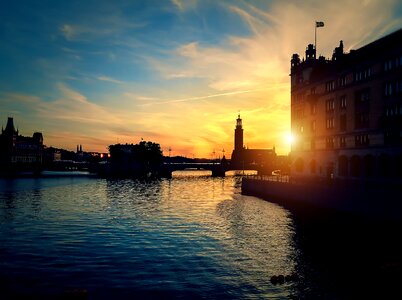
(191, 237)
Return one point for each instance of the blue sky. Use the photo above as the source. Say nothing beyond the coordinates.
(174, 72)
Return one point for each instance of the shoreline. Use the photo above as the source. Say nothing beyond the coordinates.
(363, 201)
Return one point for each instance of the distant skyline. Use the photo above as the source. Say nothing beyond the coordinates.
(175, 72)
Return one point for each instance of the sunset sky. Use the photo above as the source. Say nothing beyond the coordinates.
(173, 72)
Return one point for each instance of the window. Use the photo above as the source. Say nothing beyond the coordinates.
(329, 143)
(330, 105)
(342, 80)
(342, 142)
(313, 108)
(313, 126)
(362, 109)
(363, 74)
(388, 89)
(362, 120)
(330, 123)
(358, 76)
(388, 65)
(343, 101)
(392, 88)
(330, 86)
(392, 137)
(393, 110)
(362, 140)
(364, 96)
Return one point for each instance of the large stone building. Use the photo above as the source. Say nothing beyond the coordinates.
(263, 160)
(19, 152)
(346, 112)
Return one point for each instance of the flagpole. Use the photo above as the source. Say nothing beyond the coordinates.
(317, 24)
(315, 37)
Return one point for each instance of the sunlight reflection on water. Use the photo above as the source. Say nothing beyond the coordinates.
(190, 236)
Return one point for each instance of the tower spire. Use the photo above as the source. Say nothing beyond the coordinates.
(238, 138)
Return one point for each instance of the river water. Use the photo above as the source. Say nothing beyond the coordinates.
(189, 237)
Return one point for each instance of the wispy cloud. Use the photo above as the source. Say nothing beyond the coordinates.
(75, 32)
(97, 25)
(219, 95)
(68, 31)
(110, 79)
(183, 5)
(139, 97)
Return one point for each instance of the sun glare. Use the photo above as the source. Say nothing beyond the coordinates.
(290, 139)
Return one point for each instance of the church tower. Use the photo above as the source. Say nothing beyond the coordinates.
(238, 136)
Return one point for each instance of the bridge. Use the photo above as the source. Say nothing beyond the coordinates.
(217, 169)
(68, 165)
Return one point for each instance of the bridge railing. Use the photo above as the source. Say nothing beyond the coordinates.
(274, 178)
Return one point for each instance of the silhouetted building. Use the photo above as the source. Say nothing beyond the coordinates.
(244, 158)
(19, 152)
(346, 113)
(79, 154)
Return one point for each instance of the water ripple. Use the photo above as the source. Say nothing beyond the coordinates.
(188, 237)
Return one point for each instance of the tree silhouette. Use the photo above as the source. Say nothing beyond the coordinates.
(136, 159)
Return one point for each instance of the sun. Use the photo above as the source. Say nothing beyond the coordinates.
(290, 139)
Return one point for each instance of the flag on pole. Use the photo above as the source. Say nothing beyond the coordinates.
(319, 24)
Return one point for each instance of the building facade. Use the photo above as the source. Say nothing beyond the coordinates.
(346, 112)
(19, 152)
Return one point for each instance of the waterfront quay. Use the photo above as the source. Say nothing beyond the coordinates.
(362, 198)
(351, 228)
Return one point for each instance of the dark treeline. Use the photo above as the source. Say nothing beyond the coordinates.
(144, 159)
(148, 153)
